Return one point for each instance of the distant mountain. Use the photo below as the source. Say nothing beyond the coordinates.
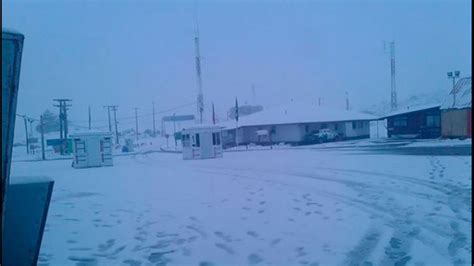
(414, 100)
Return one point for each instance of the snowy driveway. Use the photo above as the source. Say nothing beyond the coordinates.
(269, 207)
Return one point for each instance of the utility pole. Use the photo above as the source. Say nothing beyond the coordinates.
(30, 120)
(42, 138)
(26, 133)
(154, 128)
(136, 123)
(457, 73)
(114, 108)
(89, 117)
(63, 107)
(108, 114)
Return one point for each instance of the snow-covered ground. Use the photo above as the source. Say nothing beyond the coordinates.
(278, 207)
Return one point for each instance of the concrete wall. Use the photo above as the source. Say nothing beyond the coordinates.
(282, 133)
(362, 129)
(293, 133)
(378, 129)
(454, 123)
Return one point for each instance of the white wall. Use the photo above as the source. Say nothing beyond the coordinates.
(358, 131)
(378, 129)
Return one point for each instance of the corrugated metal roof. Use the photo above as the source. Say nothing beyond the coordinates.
(409, 109)
(463, 91)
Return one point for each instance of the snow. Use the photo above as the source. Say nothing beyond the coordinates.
(85, 133)
(440, 143)
(202, 127)
(411, 109)
(296, 112)
(280, 207)
(463, 89)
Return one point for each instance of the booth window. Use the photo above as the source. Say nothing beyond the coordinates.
(216, 138)
(197, 141)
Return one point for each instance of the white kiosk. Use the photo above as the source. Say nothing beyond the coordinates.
(92, 149)
(201, 142)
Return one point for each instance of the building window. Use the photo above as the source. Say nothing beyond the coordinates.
(400, 121)
(354, 125)
(432, 121)
(216, 138)
(185, 140)
(197, 141)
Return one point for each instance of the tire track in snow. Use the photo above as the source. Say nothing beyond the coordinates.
(388, 214)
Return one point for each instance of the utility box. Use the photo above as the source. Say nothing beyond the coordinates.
(201, 142)
(92, 149)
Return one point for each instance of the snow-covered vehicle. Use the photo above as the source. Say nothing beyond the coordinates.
(326, 134)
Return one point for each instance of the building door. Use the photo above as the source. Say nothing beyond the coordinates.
(207, 150)
(93, 152)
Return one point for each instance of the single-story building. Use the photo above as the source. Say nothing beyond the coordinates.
(414, 122)
(291, 124)
(456, 112)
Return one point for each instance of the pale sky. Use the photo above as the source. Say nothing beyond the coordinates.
(132, 52)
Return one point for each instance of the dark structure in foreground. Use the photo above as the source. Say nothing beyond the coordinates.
(416, 122)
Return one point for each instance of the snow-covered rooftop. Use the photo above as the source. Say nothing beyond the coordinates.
(297, 113)
(463, 90)
(410, 109)
(85, 133)
(202, 126)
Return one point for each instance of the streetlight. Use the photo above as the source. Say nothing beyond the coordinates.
(454, 76)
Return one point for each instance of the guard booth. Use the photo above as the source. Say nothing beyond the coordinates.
(201, 142)
(25, 200)
(92, 149)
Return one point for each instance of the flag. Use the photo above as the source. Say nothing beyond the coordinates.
(236, 110)
(213, 115)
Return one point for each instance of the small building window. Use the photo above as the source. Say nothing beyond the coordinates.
(216, 139)
(400, 121)
(354, 125)
(432, 121)
(197, 141)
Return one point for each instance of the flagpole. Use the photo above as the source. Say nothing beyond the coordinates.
(236, 121)
(213, 115)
